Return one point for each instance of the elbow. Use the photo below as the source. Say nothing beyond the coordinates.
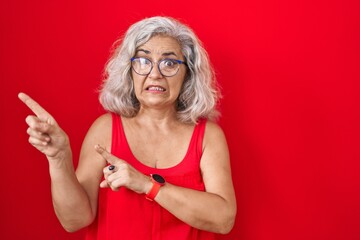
(226, 224)
(72, 228)
(226, 228)
(75, 225)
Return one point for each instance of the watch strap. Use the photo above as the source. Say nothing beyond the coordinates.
(157, 182)
(153, 191)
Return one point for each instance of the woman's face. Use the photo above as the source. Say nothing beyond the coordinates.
(156, 90)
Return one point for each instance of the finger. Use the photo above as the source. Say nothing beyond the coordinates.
(36, 124)
(38, 135)
(37, 143)
(106, 155)
(107, 172)
(36, 108)
(104, 184)
(115, 185)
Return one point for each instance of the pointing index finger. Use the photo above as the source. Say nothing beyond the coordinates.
(105, 154)
(34, 107)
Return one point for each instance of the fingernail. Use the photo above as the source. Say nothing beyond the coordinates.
(111, 167)
(98, 147)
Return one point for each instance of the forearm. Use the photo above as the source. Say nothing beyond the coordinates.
(202, 210)
(71, 203)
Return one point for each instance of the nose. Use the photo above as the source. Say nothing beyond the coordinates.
(155, 72)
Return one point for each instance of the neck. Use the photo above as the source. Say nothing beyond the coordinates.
(158, 117)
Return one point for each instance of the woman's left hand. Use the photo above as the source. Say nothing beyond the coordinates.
(123, 175)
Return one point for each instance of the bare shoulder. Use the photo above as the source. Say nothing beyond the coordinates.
(213, 135)
(100, 129)
(102, 122)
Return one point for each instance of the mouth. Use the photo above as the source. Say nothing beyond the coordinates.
(155, 89)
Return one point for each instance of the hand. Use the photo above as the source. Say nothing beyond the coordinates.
(123, 175)
(44, 133)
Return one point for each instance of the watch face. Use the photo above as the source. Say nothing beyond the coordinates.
(158, 178)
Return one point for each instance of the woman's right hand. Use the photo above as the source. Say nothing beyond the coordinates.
(44, 133)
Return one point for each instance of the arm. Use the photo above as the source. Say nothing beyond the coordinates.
(46, 135)
(80, 209)
(215, 209)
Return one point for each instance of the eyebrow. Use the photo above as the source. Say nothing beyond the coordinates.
(143, 50)
(169, 53)
(163, 54)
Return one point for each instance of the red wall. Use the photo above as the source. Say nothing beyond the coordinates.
(289, 72)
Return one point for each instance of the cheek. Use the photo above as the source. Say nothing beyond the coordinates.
(179, 81)
(177, 88)
(137, 82)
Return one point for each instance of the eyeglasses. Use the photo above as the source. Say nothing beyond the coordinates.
(167, 67)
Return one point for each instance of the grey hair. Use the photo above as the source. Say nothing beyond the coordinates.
(200, 93)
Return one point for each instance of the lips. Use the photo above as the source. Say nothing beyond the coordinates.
(155, 89)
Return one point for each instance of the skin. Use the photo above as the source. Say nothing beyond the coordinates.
(213, 210)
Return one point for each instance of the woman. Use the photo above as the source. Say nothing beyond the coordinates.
(168, 174)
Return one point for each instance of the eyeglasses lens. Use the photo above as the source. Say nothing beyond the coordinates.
(167, 67)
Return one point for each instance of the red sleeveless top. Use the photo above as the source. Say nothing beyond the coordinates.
(130, 216)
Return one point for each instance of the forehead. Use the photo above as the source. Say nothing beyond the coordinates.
(161, 44)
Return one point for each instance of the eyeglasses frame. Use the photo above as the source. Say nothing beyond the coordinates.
(158, 65)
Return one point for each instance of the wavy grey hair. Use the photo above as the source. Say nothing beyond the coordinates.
(199, 94)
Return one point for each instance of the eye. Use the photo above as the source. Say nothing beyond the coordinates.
(169, 63)
(144, 61)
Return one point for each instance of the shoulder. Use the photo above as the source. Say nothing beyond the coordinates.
(102, 123)
(213, 132)
(102, 120)
(214, 139)
(101, 128)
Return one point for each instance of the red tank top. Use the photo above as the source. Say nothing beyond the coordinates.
(129, 216)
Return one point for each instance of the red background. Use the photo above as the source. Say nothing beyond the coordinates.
(289, 72)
